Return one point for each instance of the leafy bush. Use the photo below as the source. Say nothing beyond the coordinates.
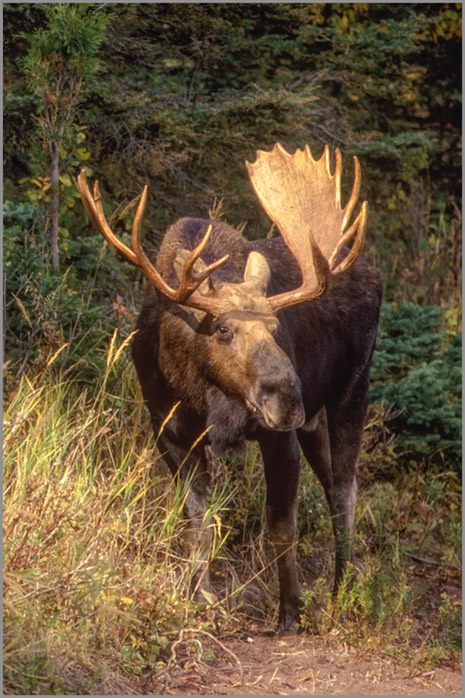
(417, 371)
(47, 312)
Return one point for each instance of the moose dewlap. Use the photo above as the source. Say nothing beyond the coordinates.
(269, 340)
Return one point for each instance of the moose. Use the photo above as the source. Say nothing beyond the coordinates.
(268, 340)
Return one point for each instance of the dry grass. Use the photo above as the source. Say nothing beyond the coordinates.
(90, 559)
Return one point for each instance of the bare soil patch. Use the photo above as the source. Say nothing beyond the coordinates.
(248, 658)
(262, 664)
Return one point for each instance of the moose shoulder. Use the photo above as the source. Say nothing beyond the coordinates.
(268, 340)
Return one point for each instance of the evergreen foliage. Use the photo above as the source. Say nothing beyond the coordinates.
(186, 93)
(417, 371)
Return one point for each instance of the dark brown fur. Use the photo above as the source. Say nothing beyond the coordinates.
(329, 342)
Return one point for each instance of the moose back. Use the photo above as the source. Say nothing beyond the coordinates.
(268, 340)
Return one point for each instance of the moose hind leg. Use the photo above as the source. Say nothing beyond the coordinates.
(332, 456)
(281, 458)
(346, 420)
(345, 446)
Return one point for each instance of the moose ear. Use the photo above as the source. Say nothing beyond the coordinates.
(206, 287)
(257, 272)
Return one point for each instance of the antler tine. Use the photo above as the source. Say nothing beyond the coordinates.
(185, 294)
(355, 192)
(141, 258)
(309, 289)
(357, 229)
(94, 208)
(137, 222)
(337, 174)
(188, 283)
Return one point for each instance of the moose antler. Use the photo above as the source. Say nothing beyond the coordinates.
(303, 199)
(186, 293)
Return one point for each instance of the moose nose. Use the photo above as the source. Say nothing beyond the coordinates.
(280, 403)
(282, 411)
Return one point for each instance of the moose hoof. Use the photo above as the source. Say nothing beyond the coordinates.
(287, 624)
(287, 629)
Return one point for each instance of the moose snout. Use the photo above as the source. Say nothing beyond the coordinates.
(279, 401)
(281, 413)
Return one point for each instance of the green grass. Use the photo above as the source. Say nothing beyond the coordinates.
(96, 572)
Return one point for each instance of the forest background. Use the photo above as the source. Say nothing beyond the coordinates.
(179, 96)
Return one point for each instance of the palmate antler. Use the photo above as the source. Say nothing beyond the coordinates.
(186, 293)
(303, 199)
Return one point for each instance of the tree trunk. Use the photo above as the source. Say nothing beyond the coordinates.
(54, 203)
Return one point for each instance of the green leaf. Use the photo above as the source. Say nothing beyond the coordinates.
(66, 180)
(82, 153)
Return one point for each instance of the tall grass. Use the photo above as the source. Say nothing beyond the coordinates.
(96, 572)
(94, 567)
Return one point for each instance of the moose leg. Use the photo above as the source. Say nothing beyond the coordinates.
(281, 458)
(346, 421)
(345, 438)
(191, 468)
(332, 454)
(314, 441)
(188, 464)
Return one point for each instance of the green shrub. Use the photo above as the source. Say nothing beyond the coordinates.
(417, 372)
(67, 311)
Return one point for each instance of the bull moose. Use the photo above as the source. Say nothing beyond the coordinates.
(269, 340)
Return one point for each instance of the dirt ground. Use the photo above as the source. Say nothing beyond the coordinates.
(246, 657)
(258, 664)
(252, 660)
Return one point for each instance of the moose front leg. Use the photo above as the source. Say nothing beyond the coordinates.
(199, 538)
(281, 458)
(191, 470)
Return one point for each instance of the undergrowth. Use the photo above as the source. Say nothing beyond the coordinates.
(94, 567)
(96, 573)
(403, 594)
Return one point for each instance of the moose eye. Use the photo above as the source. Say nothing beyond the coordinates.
(224, 333)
